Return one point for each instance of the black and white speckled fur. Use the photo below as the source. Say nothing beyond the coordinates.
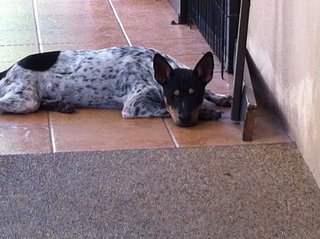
(118, 77)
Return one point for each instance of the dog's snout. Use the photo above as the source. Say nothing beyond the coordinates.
(184, 118)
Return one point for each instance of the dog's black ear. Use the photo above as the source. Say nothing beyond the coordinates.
(162, 69)
(204, 68)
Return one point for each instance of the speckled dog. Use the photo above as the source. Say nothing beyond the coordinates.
(141, 81)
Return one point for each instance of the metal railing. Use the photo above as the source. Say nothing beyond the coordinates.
(217, 20)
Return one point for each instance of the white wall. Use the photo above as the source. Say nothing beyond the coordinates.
(284, 43)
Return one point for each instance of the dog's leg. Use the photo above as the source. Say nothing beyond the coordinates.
(218, 99)
(57, 105)
(208, 111)
(20, 100)
(138, 106)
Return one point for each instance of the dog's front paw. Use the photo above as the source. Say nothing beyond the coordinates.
(208, 111)
(57, 105)
(64, 107)
(209, 114)
(224, 101)
(219, 99)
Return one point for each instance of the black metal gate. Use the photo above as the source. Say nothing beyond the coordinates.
(218, 21)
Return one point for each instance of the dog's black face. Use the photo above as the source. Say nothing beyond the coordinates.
(183, 89)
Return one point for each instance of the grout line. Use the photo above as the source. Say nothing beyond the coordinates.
(119, 22)
(52, 146)
(37, 26)
(36, 21)
(170, 133)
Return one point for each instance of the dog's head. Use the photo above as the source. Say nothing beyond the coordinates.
(183, 89)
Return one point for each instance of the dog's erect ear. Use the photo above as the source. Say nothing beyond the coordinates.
(162, 69)
(204, 68)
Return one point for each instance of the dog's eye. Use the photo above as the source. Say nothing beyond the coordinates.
(176, 93)
(191, 91)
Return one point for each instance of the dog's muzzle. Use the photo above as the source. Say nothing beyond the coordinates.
(184, 119)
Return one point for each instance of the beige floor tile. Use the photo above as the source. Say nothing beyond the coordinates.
(94, 129)
(84, 36)
(19, 22)
(191, 61)
(9, 8)
(142, 13)
(19, 37)
(227, 132)
(83, 45)
(24, 133)
(175, 47)
(71, 22)
(9, 54)
(78, 24)
(219, 85)
(72, 8)
(160, 31)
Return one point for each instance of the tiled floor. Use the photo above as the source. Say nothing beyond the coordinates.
(29, 26)
(156, 190)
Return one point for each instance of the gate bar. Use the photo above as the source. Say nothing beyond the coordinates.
(240, 59)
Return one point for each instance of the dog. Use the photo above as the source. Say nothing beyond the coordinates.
(143, 82)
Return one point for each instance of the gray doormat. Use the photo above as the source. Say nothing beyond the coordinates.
(255, 191)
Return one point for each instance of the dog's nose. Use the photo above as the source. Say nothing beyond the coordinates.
(185, 118)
